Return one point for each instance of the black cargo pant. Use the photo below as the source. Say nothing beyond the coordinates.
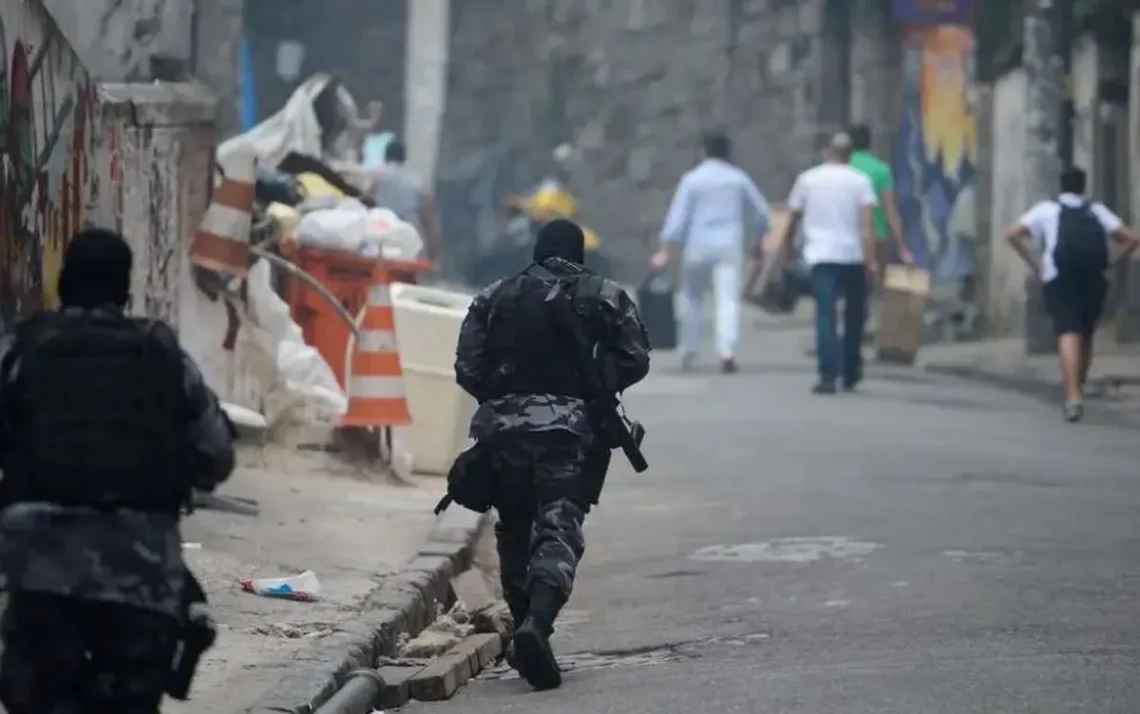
(548, 482)
(63, 655)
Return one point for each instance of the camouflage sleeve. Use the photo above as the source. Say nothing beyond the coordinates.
(471, 351)
(630, 341)
(210, 431)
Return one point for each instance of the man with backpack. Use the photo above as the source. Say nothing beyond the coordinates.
(1074, 234)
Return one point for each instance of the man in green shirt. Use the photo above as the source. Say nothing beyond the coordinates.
(887, 224)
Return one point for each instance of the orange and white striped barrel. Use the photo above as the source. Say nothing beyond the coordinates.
(375, 386)
(222, 241)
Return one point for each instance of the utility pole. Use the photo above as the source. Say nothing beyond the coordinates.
(1045, 77)
(1044, 69)
(1065, 39)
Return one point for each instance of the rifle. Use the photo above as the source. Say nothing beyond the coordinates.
(620, 432)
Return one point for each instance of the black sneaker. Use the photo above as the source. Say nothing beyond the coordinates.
(823, 388)
(533, 657)
(728, 366)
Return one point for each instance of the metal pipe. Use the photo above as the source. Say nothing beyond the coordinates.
(358, 695)
(313, 282)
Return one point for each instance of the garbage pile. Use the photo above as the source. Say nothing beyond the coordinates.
(311, 187)
(310, 192)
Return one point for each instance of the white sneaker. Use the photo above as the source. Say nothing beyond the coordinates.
(1074, 411)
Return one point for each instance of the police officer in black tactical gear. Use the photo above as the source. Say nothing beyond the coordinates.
(534, 418)
(106, 427)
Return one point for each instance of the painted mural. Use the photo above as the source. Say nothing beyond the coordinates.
(46, 117)
(936, 154)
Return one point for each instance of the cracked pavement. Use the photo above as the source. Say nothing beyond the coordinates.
(924, 546)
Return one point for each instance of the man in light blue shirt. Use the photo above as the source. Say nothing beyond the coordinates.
(715, 210)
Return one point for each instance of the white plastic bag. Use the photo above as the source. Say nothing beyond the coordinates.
(305, 391)
(391, 237)
(344, 228)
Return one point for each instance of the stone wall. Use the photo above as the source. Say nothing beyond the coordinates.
(876, 78)
(634, 84)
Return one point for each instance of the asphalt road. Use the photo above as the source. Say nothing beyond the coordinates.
(923, 546)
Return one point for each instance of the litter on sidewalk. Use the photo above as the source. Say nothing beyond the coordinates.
(303, 587)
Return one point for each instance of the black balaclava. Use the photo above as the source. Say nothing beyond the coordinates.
(560, 238)
(96, 270)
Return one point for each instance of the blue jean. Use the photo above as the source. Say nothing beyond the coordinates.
(832, 282)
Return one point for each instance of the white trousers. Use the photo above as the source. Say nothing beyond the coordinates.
(723, 276)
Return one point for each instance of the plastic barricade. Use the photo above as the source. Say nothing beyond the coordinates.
(348, 277)
(427, 329)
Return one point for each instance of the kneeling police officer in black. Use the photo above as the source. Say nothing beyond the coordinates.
(534, 421)
(106, 428)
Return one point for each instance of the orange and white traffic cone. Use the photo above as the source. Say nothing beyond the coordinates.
(375, 386)
(222, 241)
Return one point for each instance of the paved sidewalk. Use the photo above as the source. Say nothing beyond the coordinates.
(349, 527)
(1113, 393)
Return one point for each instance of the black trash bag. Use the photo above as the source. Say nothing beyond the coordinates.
(798, 275)
(274, 186)
(658, 312)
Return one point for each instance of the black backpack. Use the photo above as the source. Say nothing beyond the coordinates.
(1082, 244)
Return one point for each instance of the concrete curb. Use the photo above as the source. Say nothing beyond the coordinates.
(1034, 387)
(404, 603)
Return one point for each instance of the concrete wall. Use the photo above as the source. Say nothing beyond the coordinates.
(48, 176)
(936, 151)
(635, 83)
(160, 141)
(156, 149)
(1128, 320)
(1006, 274)
(116, 40)
(1085, 79)
(136, 158)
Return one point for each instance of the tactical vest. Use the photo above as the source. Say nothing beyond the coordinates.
(98, 413)
(525, 345)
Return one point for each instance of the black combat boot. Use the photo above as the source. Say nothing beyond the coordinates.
(533, 657)
(518, 610)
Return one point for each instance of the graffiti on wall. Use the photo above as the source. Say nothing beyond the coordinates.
(936, 153)
(46, 117)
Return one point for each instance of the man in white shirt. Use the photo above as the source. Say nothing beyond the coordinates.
(714, 209)
(833, 205)
(1074, 235)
